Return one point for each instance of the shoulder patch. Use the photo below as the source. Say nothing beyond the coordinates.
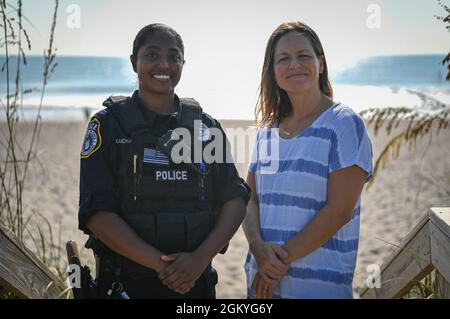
(92, 139)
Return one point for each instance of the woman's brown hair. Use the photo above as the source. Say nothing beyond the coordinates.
(273, 103)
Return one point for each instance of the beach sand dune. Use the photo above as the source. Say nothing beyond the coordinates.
(401, 194)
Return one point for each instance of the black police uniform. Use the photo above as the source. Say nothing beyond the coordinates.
(125, 169)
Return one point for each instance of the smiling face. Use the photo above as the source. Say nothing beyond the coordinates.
(158, 63)
(297, 68)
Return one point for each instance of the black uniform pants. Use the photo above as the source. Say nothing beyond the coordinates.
(151, 287)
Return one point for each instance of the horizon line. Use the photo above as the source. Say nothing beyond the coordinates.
(33, 55)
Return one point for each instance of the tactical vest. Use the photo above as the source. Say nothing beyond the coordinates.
(168, 205)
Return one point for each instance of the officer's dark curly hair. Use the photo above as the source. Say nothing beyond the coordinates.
(155, 27)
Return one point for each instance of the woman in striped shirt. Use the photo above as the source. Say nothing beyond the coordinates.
(311, 159)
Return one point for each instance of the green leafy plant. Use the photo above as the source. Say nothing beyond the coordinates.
(427, 288)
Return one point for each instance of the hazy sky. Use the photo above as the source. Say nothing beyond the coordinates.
(225, 40)
(241, 28)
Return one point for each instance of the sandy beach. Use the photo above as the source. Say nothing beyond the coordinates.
(401, 194)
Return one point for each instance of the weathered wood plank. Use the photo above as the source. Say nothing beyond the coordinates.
(443, 286)
(410, 266)
(22, 273)
(440, 250)
(440, 216)
(426, 246)
(368, 293)
(406, 265)
(408, 238)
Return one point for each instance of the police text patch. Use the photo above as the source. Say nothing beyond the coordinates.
(92, 139)
(171, 175)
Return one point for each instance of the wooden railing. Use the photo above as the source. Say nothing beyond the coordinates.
(22, 273)
(425, 248)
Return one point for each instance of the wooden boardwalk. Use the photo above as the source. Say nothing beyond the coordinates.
(425, 248)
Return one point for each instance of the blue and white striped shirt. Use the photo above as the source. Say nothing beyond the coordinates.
(291, 183)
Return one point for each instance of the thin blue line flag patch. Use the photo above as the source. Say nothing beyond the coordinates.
(153, 156)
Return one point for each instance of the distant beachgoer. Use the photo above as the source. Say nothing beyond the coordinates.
(87, 113)
(303, 218)
(155, 224)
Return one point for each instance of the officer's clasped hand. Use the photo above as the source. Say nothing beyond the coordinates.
(182, 272)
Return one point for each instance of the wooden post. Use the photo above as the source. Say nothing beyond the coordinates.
(407, 264)
(440, 248)
(443, 286)
(426, 247)
(22, 273)
(440, 240)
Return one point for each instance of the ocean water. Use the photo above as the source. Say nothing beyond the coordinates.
(81, 84)
(76, 84)
(395, 71)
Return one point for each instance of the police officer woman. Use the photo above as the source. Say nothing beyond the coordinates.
(154, 224)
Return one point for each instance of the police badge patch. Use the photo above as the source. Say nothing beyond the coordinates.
(92, 139)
